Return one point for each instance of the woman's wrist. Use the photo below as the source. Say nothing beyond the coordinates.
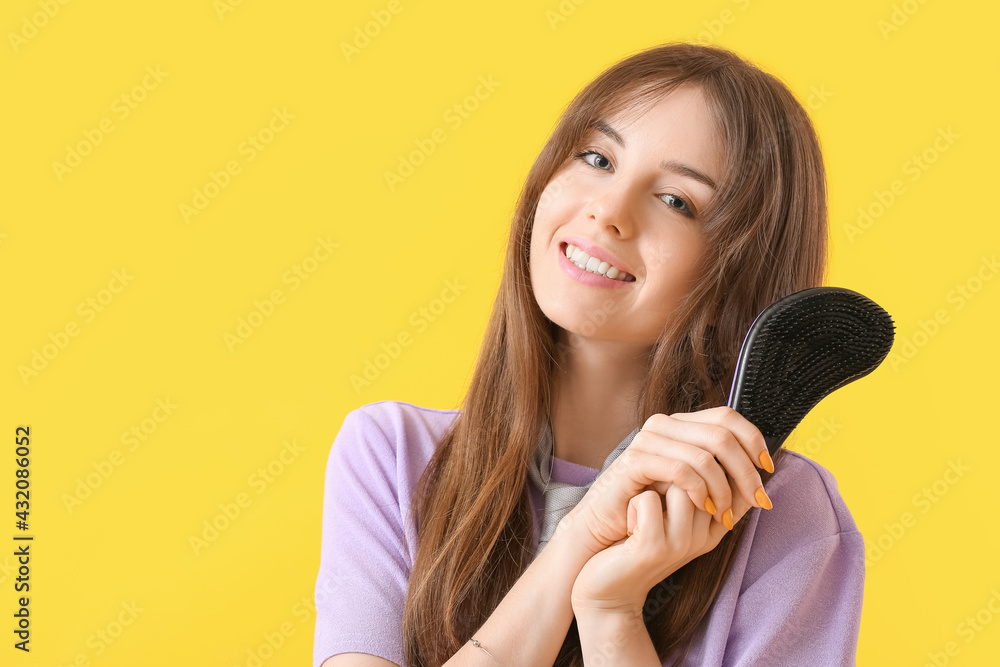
(604, 609)
(615, 637)
(529, 624)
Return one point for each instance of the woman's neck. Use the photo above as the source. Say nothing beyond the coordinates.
(595, 389)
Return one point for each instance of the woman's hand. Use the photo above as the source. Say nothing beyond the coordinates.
(619, 578)
(684, 450)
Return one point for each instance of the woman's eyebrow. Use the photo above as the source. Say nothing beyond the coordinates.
(668, 165)
(685, 170)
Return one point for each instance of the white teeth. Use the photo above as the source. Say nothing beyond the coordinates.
(592, 264)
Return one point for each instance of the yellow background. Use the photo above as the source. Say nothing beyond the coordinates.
(878, 96)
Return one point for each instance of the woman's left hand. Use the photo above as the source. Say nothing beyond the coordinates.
(619, 577)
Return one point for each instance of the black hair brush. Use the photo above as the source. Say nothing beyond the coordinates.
(800, 349)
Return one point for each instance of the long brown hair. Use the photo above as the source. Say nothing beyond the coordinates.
(766, 236)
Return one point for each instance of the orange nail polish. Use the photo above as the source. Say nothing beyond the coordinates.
(765, 461)
(710, 506)
(727, 519)
(762, 498)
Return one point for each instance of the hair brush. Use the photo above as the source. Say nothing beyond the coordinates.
(800, 349)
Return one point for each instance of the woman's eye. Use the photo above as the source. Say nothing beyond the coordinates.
(675, 202)
(598, 158)
(603, 163)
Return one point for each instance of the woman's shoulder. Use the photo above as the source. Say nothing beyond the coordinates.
(808, 516)
(806, 499)
(399, 428)
(400, 418)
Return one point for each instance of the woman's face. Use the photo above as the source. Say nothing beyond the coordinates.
(632, 200)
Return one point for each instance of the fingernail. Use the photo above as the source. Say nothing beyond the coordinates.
(762, 498)
(765, 461)
(727, 519)
(710, 506)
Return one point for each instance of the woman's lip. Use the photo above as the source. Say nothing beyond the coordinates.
(595, 251)
(586, 277)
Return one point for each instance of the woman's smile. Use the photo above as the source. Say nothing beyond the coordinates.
(591, 269)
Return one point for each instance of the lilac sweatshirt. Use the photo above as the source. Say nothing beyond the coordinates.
(793, 596)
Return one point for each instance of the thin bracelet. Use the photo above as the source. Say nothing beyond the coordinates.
(482, 648)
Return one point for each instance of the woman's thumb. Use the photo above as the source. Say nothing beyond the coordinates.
(637, 516)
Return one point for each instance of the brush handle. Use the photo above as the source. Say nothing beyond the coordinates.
(739, 378)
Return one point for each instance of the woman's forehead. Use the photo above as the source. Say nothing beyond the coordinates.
(683, 107)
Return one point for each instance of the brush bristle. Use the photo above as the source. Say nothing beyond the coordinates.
(807, 349)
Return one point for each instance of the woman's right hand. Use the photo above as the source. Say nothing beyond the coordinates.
(694, 451)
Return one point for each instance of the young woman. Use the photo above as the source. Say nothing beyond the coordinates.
(594, 502)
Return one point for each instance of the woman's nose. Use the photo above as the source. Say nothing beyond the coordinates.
(613, 205)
